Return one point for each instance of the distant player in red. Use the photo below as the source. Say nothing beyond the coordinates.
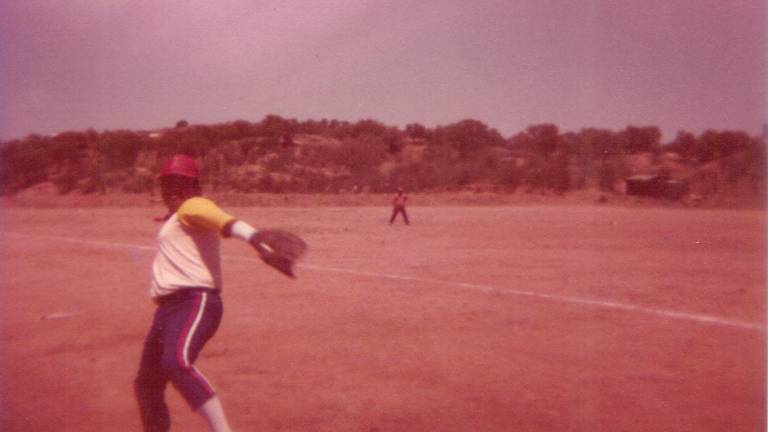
(398, 206)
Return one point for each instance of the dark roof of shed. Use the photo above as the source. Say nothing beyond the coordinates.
(643, 177)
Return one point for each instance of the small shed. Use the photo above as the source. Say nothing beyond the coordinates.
(675, 189)
(657, 186)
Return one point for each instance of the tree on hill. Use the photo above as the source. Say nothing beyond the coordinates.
(416, 130)
(119, 148)
(714, 144)
(466, 137)
(362, 155)
(542, 139)
(275, 126)
(684, 144)
(368, 127)
(642, 139)
(24, 163)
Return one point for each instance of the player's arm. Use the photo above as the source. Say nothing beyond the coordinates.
(204, 214)
(278, 249)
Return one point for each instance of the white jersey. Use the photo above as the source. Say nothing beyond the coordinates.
(188, 249)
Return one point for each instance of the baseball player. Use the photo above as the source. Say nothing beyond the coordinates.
(186, 286)
(398, 206)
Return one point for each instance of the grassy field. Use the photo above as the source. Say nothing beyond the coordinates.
(498, 318)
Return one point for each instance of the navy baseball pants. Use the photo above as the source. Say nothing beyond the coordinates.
(183, 323)
(395, 211)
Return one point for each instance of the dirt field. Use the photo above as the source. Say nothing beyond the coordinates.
(527, 318)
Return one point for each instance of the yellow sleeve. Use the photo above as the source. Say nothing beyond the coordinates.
(199, 212)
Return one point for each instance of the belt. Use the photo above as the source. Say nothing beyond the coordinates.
(183, 294)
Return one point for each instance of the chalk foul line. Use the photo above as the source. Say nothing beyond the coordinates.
(700, 318)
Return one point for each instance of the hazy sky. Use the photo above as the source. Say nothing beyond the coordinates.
(134, 64)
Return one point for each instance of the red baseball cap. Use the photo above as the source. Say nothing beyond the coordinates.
(181, 165)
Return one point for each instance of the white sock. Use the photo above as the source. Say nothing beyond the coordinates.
(213, 413)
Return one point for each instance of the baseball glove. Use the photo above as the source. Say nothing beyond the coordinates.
(279, 249)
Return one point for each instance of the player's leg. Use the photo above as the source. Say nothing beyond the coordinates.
(394, 215)
(197, 320)
(150, 383)
(405, 217)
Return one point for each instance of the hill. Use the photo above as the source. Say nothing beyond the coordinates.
(285, 156)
